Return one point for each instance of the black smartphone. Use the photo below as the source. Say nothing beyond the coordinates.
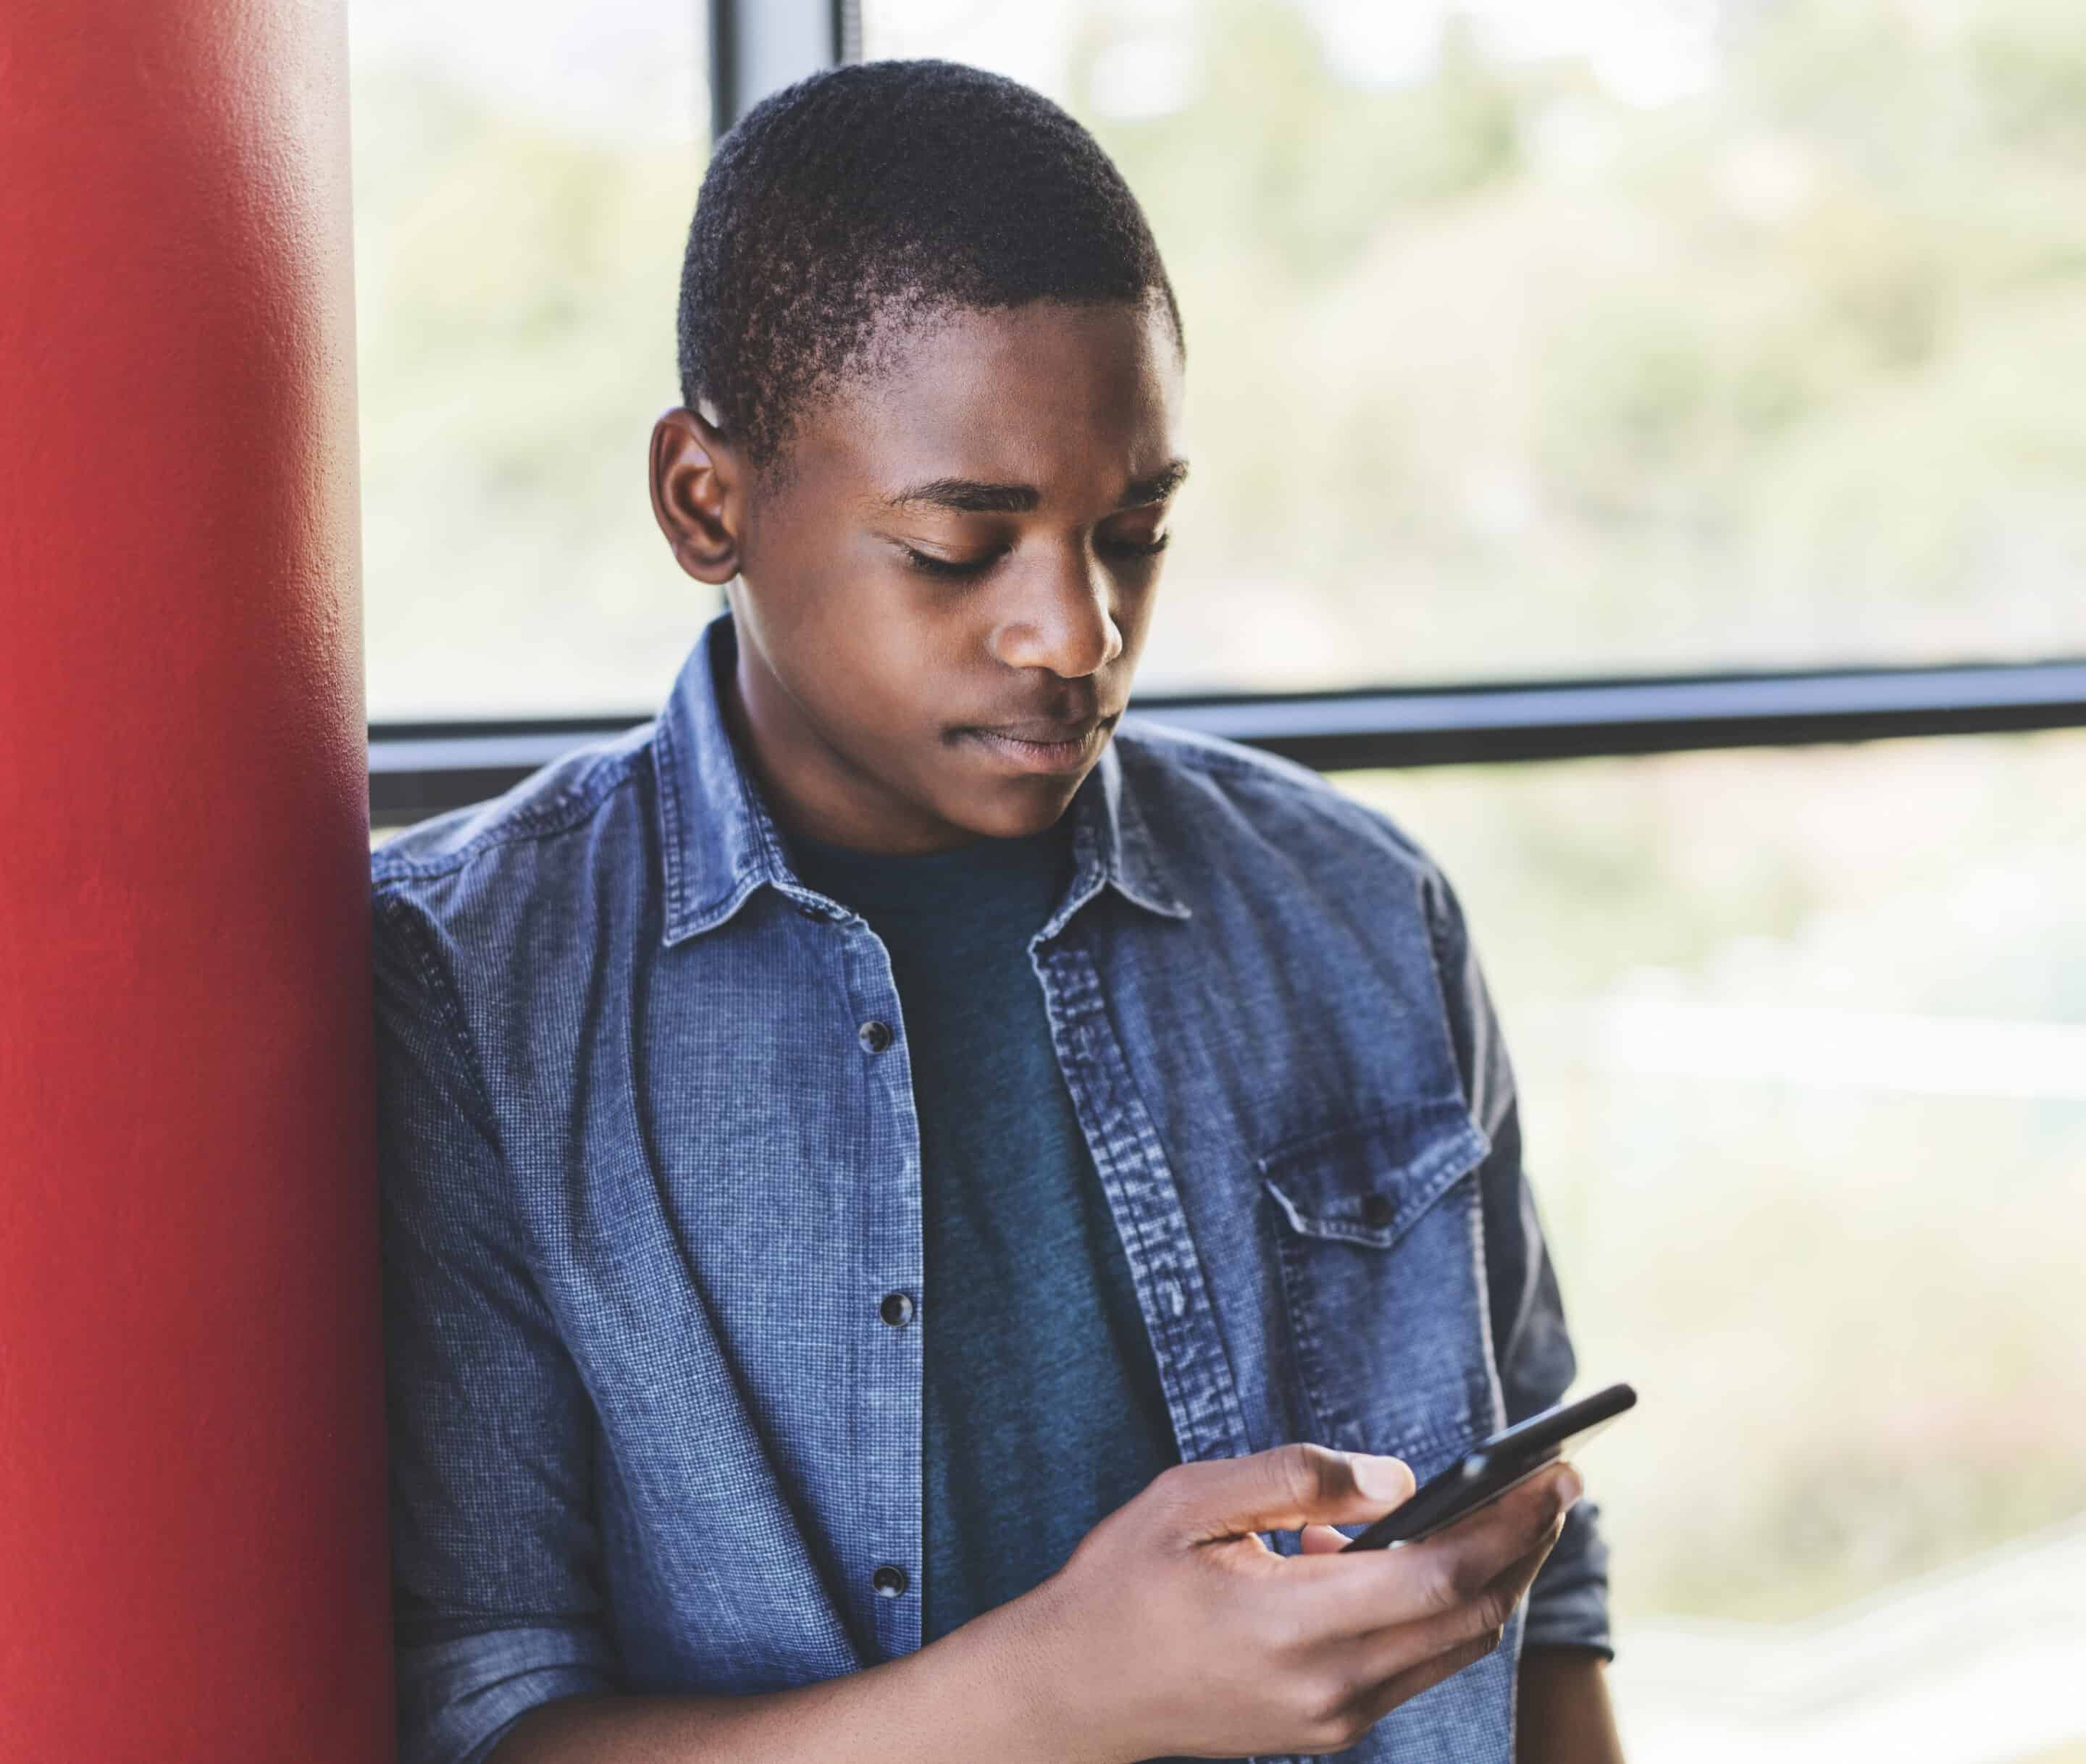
(1492, 1466)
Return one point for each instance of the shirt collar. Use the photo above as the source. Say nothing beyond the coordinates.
(720, 842)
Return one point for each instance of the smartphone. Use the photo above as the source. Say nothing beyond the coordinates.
(1492, 1466)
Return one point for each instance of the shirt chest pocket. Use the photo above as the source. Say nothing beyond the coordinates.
(1378, 1236)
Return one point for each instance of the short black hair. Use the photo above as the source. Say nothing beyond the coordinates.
(889, 189)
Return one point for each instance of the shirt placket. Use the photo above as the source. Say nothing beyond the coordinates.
(1194, 1369)
(885, 1569)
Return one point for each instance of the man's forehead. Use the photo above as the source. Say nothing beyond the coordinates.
(980, 411)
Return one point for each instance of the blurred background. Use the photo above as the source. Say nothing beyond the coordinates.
(1529, 339)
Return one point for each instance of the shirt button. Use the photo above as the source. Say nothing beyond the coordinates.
(1376, 1209)
(890, 1580)
(896, 1310)
(874, 1035)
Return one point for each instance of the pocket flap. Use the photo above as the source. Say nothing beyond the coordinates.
(1366, 1181)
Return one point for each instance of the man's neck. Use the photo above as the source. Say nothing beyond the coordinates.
(810, 786)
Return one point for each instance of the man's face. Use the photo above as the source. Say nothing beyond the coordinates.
(940, 612)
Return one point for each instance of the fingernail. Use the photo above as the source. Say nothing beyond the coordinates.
(1379, 1477)
(1569, 1488)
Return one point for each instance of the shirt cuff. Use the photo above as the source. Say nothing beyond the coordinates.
(1567, 1605)
(457, 1698)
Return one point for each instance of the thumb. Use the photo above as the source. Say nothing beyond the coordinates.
(1287, 1487)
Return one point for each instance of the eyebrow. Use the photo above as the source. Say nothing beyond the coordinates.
(971, 496)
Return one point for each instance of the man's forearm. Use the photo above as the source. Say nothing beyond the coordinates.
(990, 1690)
(1563, 1716)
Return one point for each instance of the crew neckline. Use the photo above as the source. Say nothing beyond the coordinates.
(926, 882)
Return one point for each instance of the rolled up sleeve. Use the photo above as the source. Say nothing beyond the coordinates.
(496, 1599)
(1568, 1603)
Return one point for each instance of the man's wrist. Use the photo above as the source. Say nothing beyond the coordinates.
(1005, 1688)
(998, 1689)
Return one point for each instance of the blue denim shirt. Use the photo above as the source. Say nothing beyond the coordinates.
(650, 1181)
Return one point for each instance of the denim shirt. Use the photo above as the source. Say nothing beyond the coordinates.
(651, 1208)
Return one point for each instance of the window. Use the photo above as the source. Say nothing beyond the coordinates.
(524, 177)
(1542, 337)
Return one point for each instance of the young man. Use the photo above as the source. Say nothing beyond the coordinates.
(912, 1208)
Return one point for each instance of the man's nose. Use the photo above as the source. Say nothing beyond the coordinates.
(1060, 616)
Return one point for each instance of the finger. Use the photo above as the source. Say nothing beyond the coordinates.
(1284, 1488)
(1399, 1648)
(1403, 1687)
(1352, 1591)
(1320, 1540)
(1401, 1659)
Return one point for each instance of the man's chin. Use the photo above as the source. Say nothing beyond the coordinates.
(1031, 811)
(1012, 808)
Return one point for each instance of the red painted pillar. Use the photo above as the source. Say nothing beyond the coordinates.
(192, 1549)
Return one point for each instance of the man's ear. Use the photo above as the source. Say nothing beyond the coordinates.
(697, 492)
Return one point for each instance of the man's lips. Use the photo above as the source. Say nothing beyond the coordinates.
(1037, 745)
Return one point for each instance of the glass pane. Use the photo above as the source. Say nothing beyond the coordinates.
(1801, 1038)
(1532, 337)
(524, 176)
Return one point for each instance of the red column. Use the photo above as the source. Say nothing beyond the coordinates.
(191, 1547)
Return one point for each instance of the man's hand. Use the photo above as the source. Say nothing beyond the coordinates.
(1185, 1632)
(1563, 1714)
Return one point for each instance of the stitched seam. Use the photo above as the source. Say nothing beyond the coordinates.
(518, 825)
(448, 1009)
(666, 769)
(1436, 930)
(1375, 1237)
(1303, 1337)
(1289, 1151)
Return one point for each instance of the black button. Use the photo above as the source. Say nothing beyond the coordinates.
(890, 1580)
(874, 1035)
(896, 1310)
(1377, 1208)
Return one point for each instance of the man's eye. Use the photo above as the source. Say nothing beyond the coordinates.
(935, 566)
(930, 565)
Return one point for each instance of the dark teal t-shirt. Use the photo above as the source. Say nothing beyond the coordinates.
(1044, 1411)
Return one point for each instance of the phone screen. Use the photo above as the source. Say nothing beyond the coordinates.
(1492, 1466)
